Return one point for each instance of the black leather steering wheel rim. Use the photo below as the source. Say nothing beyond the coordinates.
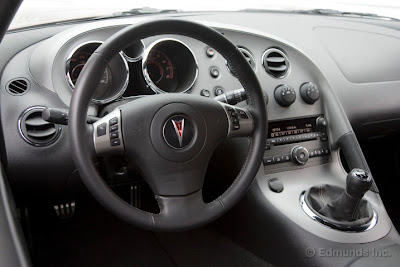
(83, 152)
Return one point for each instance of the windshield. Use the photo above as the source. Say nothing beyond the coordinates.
(35, 12)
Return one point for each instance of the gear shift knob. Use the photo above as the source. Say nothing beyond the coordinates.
(358, 182)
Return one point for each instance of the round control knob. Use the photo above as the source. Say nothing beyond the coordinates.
(321, 122)
(309, 92)
(300, 155)
(285, 95)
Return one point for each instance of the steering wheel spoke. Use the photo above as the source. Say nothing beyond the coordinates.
(107, 134)
(240, 121)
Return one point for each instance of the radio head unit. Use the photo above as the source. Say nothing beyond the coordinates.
(296, 141)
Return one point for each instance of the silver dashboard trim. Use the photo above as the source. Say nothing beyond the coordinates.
(134, 59)
(341, 227)
(146, 75)
(72, 85)
(21, 117)
(273, 49)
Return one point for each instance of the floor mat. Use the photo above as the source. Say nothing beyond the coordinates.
(205, 247)
(93, 237)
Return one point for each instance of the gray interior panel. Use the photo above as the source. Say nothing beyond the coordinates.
(362, 56)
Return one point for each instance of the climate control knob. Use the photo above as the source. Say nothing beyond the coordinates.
(300, 155)
(285, 95)
(309, 92)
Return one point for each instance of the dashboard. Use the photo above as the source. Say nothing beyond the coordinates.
(298, 65)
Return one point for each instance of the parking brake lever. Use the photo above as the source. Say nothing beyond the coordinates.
(60, 116)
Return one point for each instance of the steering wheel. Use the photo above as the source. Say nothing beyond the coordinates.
(169, 137)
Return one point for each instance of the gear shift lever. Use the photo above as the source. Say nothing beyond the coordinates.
(344, 208)
(358, 182)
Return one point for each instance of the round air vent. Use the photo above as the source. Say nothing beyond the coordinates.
(275, 63)
(36, 131)
(248, 56)
(18, 86)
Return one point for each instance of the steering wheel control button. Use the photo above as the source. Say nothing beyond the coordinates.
(243, 115)
(275, 185)
(113, 121)
(205, 93)
(115, 142)
(114, 128)
(235, 122)
(102, 129)
(210, 52)
(111, 142)
(309, 93)
(178, 132)
(285, 95)
(218, 91)
(114, 135)
(300, 155)
(214, 72)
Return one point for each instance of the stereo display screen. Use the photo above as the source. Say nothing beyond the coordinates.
(292, 127)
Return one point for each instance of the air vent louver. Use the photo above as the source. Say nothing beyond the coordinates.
(36, 131)
(275, 63)
(248, 56)
(18, 86)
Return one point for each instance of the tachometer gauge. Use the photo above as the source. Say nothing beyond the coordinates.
(115, 77)
(78, 62)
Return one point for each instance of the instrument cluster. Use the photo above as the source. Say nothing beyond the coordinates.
(167, 65)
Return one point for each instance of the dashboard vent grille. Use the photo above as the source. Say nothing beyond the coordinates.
(275, 63)
(36, 131)
(18, 86)
(248, 56)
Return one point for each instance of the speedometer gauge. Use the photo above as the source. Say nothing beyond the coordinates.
(115, 77)
(160, 69)
(169, 66)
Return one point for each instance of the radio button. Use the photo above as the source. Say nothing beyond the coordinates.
(267, 145)
(325, 151)
(318, 151)
(277, 159)
(286, 158)
(268, 161)
(312, 153)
